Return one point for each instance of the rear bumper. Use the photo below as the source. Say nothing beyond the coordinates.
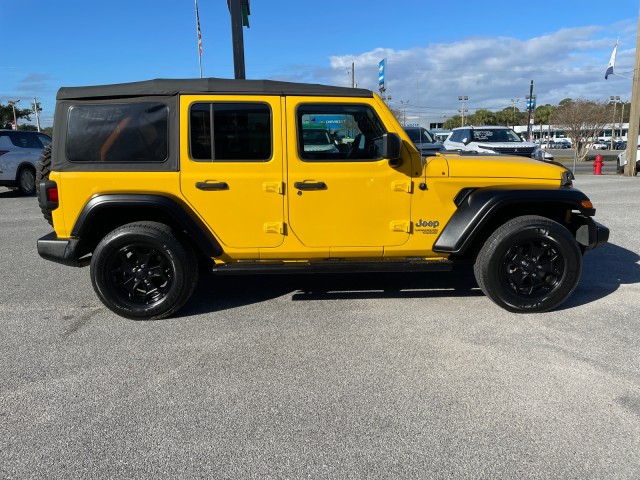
(65, 251)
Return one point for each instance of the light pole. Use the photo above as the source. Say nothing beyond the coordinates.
(404, 112)
(462, 99)
(13, 106)
(514, 101)
(615, 100)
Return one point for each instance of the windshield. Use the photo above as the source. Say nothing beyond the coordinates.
(494, 135)
(419, 135)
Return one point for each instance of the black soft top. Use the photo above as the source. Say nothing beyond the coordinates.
(168, 87)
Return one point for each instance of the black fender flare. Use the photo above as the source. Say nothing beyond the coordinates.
(174, 208)
(477, 206)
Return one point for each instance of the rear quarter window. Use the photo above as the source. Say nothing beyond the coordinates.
(121, 133)
(25, 140)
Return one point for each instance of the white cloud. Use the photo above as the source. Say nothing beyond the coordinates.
(491, 71)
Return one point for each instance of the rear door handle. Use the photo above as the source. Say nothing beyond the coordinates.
(212, 185)
(310, 185)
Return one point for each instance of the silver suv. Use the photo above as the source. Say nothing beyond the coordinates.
(490, 139)
(19, 152)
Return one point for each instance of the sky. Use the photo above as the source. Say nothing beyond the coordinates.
(435, 51)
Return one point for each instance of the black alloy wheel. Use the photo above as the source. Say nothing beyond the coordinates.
(143, 270)
(533, 268)
(529, 264)
(140, 274)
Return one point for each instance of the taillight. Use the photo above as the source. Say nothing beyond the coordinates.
(52, 194)
(48, 195)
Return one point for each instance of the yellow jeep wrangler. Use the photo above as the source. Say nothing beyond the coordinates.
(149, 182)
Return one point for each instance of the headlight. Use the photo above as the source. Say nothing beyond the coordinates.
(567, 178)
(538, 154)
(485, 149)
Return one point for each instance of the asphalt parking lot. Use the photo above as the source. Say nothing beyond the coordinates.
(388, 376)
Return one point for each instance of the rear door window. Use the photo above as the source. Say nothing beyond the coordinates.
(230, 132)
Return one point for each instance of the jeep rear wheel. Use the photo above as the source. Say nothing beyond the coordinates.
(529, 264)
(143, 271)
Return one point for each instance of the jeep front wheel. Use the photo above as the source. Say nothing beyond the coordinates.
(143, 271)
(529, 264)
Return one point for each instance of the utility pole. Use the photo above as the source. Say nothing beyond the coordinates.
(615, 100)
(15, 119)
(632, 136)
(404, 112)
(35, 109)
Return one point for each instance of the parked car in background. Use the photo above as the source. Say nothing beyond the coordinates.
(620, 145)
(318, 140)
(600, 145)
(441, 135)
(424, 140)
(621, 162)
(19, 152)
(493, 139)
(560, 143)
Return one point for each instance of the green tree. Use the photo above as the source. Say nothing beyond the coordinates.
(544, 113)
(6, 115)
(453, 122)
(508, 116)
(481, 117)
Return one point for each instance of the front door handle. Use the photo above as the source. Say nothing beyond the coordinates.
(310, 185)
(212, 185)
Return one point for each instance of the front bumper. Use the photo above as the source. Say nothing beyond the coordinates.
(65, 251)
(591, 234)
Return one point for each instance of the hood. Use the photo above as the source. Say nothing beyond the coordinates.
(502, 166)
(437, 146)
(504, 145)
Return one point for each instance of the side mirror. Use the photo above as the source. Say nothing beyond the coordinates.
(392, 148)
(465, 140)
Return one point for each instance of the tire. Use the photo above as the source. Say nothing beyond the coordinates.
(43, 169)
(529, 264)
(143, 271)
(26, 181)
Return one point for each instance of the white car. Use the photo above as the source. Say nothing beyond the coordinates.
(19, 152)
(493, 139)
(622, 161)
(318, 140)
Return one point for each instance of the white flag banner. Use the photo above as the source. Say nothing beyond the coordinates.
(612, 61)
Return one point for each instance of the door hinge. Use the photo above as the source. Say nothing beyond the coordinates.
(401, 226)
(274, 227)
(402, 186)
(273, 187)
